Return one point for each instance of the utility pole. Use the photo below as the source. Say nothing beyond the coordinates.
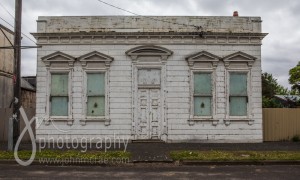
(17, 71)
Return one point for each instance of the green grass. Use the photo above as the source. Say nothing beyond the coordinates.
(6, 155)
(234, 155)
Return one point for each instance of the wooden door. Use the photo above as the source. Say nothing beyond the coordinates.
(148, 113)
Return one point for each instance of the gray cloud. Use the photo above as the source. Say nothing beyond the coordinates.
(280, 50)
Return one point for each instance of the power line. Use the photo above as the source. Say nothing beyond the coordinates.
(13, 27)
(182, 24)
(7, 22)
(7, 10)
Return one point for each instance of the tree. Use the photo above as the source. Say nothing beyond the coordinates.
(294, 79)
(270, 88)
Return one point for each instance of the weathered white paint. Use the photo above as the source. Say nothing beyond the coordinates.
(125, 86)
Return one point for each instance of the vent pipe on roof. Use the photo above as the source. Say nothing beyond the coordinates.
(235, 13)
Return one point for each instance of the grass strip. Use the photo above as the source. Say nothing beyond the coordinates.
(58, 154)
(235, 155)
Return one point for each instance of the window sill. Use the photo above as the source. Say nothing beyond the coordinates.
(192, 121)
(95, 119)
(59, 119)
(227, 122)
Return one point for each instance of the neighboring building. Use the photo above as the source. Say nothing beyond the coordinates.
(28, 97)
(288, 101)
(150, 78)
(31, 80)
(27, 94)
(6, 67)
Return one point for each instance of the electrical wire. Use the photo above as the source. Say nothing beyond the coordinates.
(148, 17)
(11, 24)
(21, 32)
(6, 10)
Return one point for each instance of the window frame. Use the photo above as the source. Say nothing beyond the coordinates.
(69, 73)
(205, 62)
(85, 96)
(248, 74)
(90, 64)
(212, 105)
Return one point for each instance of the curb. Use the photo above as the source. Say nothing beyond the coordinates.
(264, 162)
(180, 163)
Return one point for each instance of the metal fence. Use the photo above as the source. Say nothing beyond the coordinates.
(5, 114)
(281, 124)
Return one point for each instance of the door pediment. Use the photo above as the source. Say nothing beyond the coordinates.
(149, 52)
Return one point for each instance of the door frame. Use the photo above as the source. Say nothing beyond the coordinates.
(162, 131)
(149, 56)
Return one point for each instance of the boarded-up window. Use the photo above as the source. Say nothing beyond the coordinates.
(202, 94)
(59, 96)
(238, 97)
(95, 94)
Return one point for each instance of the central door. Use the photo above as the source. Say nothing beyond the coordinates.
(149, 113)
(148, 104)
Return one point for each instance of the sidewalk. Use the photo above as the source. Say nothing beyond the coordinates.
(160, 151)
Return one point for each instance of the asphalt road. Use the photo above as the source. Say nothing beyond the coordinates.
(150, 171)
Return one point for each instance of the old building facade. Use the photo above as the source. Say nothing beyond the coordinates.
(6, 66)
(175, 79)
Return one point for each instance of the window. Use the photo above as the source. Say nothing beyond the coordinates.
(202, 94)
(95, 94)
(59, 96)
(238, 97)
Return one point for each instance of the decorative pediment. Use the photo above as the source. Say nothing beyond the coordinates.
(58, 58)
(203, 57)
(239, 57)
(95, 58)
(149, 51)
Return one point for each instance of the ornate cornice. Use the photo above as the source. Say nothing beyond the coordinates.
(58, 57)
(95, 57)
(149, 50)
(239, 57)
(203, 56)
(149, 38)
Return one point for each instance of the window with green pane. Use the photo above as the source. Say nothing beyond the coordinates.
(59, 95)
(95, 94)
(202, 94)
(238, 96)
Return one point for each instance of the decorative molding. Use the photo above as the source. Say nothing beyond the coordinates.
(69, 121)
(95, 57)
(192, 121)
(84, 121)
(149, 38)
(201, 57)
(227, 122)
(149, 51)
(58, 57)
(239, 57)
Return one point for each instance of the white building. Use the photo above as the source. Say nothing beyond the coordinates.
(176, 79)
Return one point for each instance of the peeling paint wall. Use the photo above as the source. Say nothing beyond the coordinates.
(151, 24)
(176, 74)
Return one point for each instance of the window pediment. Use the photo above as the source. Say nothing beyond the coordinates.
(58, 58)
(239, 57)
(149, 51)
(95, 57)
(203, 57)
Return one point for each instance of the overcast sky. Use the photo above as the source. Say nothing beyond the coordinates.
(281, 19)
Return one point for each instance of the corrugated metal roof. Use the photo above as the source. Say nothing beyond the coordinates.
(289, 97)
(26, 85)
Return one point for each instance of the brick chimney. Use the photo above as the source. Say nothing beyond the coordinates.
(235, 13)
